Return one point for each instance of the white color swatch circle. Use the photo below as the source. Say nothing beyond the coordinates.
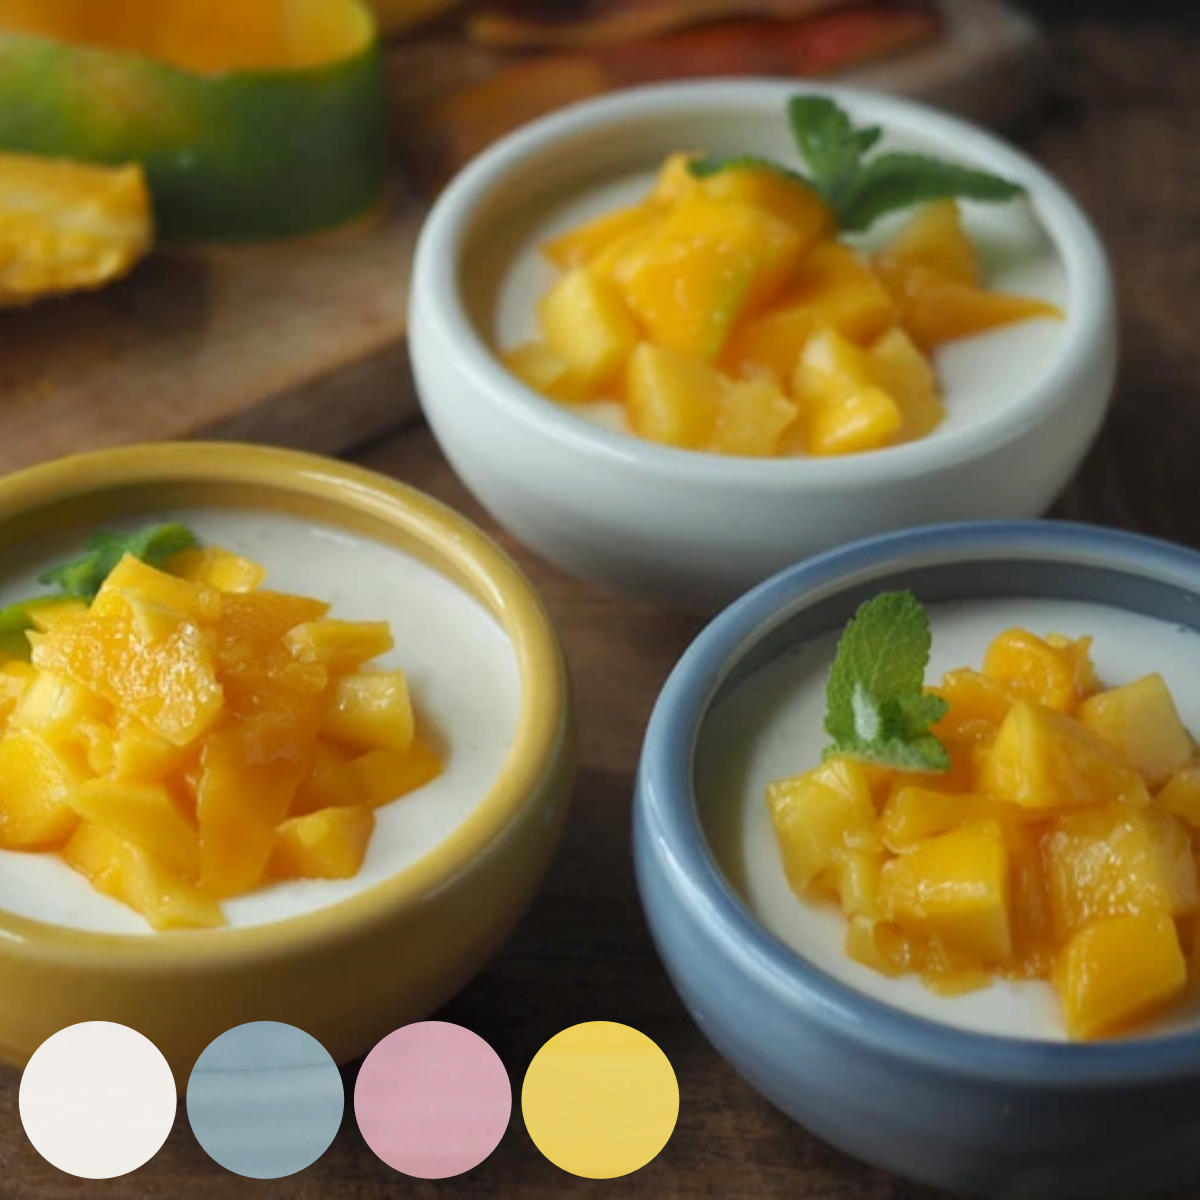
(97, 1100)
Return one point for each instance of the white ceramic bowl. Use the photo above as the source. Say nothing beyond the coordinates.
(693, 528)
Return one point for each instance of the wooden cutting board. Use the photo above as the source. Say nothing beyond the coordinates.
(301, 343)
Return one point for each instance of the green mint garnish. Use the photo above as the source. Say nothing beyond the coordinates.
(860, 190)
(877, 708)
(82, 576)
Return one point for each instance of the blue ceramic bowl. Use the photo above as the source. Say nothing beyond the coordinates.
(958, 1109)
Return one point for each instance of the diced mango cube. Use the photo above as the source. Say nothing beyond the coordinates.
(544, 370)
(671, 397)
(770, 342)
(752, 415)
(1033, 669)
(912, 814)
(341, 645)
(53, 700)
(843, 292)
(584, 320)
(154, 596)
(704, 265)
(218, 568)
(15, 677)
(1042, 759)
(249, 773)
(675, 181)
(328, 844)
(907, 376)
(45, 614)
(977, 706)
(1140, 721)
(1119, 970)
(578, 246)
(138, 753)
(1111, 860)
(142, 813)
(383, 775)
(856, 878)
(35, 781)
(131, 874)
(329, 781)
(954, 888)
(934, 237)
(789, 200)
(369, 710)
(819, 816)
(1180, 795)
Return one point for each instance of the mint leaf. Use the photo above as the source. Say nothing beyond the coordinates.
(892, 181)
(876, 706)
(83, 576)
(858, 190)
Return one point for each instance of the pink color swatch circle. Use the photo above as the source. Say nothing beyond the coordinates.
(432, 1100)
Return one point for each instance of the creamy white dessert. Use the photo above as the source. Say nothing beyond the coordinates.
(459, 663)
(770, 727)
(976, 374)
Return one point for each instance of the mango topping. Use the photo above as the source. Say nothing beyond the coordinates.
(188, 736)
(1061, 844)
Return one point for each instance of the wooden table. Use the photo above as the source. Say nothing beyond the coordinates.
(1123, 132)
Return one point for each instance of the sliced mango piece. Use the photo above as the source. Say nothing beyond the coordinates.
(705, 263)
(1042, 759)
(370, 710)
(934, 238)
(341, 645)
(752, 415)
(770, 343)
(131, 874)
(1120, 970)
(52, 700)
(907, 376)
(1140, 721)
(584, 320)
(843, 292)
(788, 200)
(48, 613)
(216, 567)
(1180, 795)
(977, 706)
(383, 775)
(328, 844)
(544, 370)
(579, 245)
(672, 397)
(1031, 668)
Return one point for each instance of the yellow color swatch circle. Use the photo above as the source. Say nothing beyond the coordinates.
(600, 1100)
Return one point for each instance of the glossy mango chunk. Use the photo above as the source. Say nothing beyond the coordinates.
(578, 246)
(672, 398)
(382, 775)
(370, 710)
(1140, 721)
(1044, 760)
(157, 599)
(935, 238)
(955, 888)
(820, 816)
(15, 678)
(329, 781)
(341, 646)
(217, 568)
(1118, 971)
(48, 613)
(770, 343)
(977, 706)
(1180, 795)
(914, 813)
(752, 415)
(131, 874)
(249, 773)
(328, 844)
(1111, 860)
(788, 200)
(544, 370)
(138, 753)
(704, 264)
(144, 814)
(51, 702)
(1033, 669)
(584, 320)
(35, 782)
(907, 376)
(840, 288)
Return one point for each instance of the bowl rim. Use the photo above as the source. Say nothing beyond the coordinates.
(437, 298)
(665, 804)
(540, 740)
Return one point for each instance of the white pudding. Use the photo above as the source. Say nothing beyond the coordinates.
(459, 663)
(976, 374)
(770, 727)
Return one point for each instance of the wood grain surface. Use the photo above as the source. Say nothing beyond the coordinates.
(1123, 131)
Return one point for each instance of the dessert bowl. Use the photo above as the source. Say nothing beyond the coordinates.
(450, 867)
(693, 528)
(978, 1092)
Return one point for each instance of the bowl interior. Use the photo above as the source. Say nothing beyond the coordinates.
(763, 722)
(372, 556)
(579, 172)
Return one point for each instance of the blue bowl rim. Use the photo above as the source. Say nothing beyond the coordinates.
(665, 807)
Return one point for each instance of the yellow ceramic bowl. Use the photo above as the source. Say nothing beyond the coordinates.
(351, 972)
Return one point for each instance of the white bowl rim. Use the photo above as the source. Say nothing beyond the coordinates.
(1088, 323)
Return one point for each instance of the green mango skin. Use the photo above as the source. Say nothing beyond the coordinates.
(243, 155)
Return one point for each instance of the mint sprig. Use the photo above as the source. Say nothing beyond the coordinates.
(877, 709)
(82, 577)
(860, 190)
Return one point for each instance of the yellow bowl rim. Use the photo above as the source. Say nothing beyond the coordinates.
(539, 742)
